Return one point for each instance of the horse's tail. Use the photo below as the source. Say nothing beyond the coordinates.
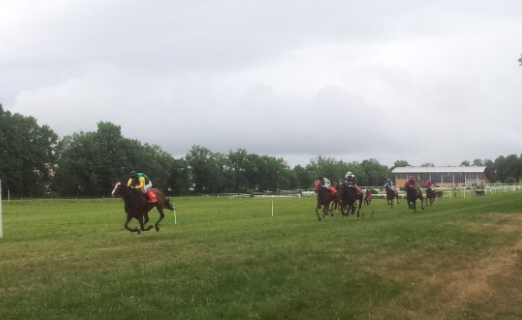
(168, 205)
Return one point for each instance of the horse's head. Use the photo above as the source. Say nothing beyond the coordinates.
(117, 191)
(317, 185)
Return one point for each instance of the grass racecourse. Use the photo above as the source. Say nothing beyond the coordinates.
(231, 259)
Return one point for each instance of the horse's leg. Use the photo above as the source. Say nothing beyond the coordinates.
(142, 225)
(162, 215)
(317, 211)
(145, 218)
(126, 225)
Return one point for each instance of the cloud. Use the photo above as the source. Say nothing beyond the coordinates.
(390, 80)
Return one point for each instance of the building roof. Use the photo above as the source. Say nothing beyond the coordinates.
(473, 169)
(462, 169)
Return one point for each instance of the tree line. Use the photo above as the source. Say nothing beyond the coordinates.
(35, 162)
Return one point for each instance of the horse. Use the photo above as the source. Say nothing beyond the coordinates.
(349, 195)
(431, 194)
(136, 206)
(412, 194)
(324, 198)
(390, 195)
(335, 203)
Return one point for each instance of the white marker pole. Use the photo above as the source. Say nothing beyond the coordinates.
(272, 208)
(175, 222)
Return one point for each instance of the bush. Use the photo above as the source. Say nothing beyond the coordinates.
(511, 180)
(439, 194)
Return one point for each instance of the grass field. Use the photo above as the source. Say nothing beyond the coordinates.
(231, 259)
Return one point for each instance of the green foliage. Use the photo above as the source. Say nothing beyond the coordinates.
(86, 164)
(27, 155)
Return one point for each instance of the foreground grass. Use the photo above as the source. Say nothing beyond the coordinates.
(231, 259)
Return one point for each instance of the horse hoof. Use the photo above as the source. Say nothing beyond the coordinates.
(157, 228)
(138, 231)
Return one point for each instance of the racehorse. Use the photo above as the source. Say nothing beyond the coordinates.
(335, 204)
(324, 198)
(431, 194)
(136, 206)
(349, 195)
(390, 195)
(412, 194)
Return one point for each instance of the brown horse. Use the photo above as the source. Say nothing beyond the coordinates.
(324, 198)
(349, 195)
(412, 195)
(335, 204)
(136, 206)
(390, 195)
(431, 194)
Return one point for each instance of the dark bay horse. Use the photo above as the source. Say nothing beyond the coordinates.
(335, 204)
(349, 195)
(390, 195)
(136, 206)
(324, 198)
(431, 194)
(412, 195)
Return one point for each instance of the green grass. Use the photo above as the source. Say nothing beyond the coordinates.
(230, 259)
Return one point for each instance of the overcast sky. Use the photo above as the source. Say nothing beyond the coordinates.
(421, 81)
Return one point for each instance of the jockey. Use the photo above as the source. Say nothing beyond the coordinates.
(428, 184)
(411, 183)
(141, 182)
(350, 180)
(324, 182)
(388, 184)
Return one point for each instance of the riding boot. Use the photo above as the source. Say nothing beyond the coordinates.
(151, 196)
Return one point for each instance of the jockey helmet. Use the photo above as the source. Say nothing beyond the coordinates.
(133, 174)
(410, 178)
(349, 174)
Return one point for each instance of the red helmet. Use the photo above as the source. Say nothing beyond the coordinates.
(410, 178)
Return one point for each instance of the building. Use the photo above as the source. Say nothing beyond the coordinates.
(444, 176)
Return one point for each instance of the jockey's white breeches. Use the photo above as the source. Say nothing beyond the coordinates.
(146, 187)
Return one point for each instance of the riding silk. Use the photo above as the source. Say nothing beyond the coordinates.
(143, 184)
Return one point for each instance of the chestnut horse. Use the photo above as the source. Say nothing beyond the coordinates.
(412, 194)
(431, 194)
(349, 195)
(136, 206)
(324, 198)
(390, 195)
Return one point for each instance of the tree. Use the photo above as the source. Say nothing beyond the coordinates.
(508, 167)
(304, 178)
(27, 154)
(205, 170)
(179, 178)
(374, 172)
(427, 164)
(478, 162)
(400, 164)
(90, 163)
(465, 163)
